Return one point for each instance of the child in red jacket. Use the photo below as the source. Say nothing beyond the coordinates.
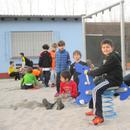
(68, 88)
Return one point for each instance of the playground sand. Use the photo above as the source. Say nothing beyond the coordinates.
(20, 110)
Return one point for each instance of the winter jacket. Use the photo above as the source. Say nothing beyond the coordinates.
(111, 69)
(69, 87)
(45, 60)
(62, 60)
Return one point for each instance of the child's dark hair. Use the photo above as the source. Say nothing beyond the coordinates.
(77, 52)
(11, 62)
(21, 53)
(65, 74)
(45, 46)
(107, 41)
(61, 43)
(29, 70)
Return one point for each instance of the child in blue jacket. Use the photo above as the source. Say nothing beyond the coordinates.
(62, 63)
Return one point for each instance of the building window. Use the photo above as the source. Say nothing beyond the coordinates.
(29, 42)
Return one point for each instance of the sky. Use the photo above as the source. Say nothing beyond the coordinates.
(60, 7)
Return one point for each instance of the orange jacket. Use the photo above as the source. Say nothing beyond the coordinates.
(36, 72)
(53, 55)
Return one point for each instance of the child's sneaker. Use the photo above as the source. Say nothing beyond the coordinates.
(97, 120)
(52, 85)
(90, 113)
(56, 95)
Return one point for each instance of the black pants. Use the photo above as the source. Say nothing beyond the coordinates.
(26, 86)
(58, 82)
(46, 75)
(16, 75)
(96, 101)
(127, 79)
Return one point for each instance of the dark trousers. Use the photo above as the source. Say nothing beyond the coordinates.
(26, 86)
(96, 101)
(16, 75)
(58, 82)
(127, 79)
(46, 75)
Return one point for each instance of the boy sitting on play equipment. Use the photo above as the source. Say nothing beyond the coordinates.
(111, 71)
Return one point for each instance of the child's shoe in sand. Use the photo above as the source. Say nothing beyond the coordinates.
(97, 120)
(52, 85)
(89, 113)
(56, 95)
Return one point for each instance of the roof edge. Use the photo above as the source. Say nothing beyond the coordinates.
(43, 16)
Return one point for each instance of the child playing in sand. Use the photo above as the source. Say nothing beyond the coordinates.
(29, 80)
(112, 76)
(13, 72)
(68, 88)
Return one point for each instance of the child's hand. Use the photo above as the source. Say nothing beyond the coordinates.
(91, 66)
(40, 69)
(62, 95)
(86, 72)
(21, 69)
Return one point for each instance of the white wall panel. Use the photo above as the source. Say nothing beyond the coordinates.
(29, 42)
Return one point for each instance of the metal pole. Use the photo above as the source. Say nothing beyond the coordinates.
(84, 37)
(122, 26)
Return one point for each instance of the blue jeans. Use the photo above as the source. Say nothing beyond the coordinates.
(58, 82)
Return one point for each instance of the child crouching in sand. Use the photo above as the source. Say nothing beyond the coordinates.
(29, 80)
(13, 72)
(68, 88)
(68, 92)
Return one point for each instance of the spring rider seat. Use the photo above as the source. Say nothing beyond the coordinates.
(86, 85)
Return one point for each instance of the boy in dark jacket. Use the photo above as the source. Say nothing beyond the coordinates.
(112, 76)
(45, 62)
(77, 60)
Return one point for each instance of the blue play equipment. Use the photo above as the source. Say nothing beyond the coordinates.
(86, 85)
(108, 105)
